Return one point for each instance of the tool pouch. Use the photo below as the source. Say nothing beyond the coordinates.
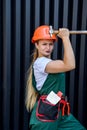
(46, 111)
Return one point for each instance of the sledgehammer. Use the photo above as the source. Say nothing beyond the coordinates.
(52, 31)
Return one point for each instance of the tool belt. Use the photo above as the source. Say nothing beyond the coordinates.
(49, 112)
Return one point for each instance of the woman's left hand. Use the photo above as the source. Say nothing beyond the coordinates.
(63, 33)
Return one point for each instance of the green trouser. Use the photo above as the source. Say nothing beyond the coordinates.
(64, 123)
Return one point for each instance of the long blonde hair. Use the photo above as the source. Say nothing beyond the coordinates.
(31, 94)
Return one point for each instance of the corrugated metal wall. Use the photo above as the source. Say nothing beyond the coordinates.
(18, 19)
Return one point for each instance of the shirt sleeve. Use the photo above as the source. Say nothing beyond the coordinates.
(41, 63)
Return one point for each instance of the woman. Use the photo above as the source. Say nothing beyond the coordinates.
(47, 75)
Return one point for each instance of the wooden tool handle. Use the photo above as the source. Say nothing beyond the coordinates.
(78, 32)
(72, 32)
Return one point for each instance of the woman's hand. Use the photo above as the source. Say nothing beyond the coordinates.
(63, 33)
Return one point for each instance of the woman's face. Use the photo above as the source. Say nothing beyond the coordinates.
(45, 47)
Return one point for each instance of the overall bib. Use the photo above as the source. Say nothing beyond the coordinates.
(54, 82)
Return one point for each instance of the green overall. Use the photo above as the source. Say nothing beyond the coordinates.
(54, 82)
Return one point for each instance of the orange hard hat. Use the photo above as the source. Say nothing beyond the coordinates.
(42, 32)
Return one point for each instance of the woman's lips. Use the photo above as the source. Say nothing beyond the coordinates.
(47, 51)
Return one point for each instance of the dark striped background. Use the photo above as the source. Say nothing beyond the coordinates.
(18, 19)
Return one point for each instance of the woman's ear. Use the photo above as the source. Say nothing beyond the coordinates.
(36, 45)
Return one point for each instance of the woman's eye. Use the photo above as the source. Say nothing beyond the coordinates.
(44, 43)
(51, 44)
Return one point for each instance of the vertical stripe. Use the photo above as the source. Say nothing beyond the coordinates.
(73, 42)
(46, 12)
(37, 13)
(81, 68)
(6, 63)
(17, 64)
(56, 19)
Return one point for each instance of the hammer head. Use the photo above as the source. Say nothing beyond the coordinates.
(50, 31)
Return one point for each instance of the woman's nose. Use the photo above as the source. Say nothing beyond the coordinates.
(48, 46)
